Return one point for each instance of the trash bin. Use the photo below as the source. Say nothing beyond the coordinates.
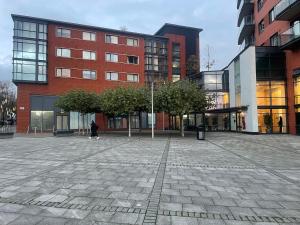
(201, 132)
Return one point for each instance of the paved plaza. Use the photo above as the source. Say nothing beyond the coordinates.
(228, 179)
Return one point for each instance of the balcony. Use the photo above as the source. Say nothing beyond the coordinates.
(290, 39)
(246, 7)
(287, 10)
(247, 29)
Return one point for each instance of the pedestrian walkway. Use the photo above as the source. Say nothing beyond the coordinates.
(227, 179)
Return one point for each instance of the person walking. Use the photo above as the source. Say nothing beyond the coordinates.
(94, 129)
(280, 124)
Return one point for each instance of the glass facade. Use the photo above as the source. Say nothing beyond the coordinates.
(78, 121)
(175, 62)
(297, 90)
(237, 83)
(156, 60)
(29, 52)
(41, 120)
(277, 121)
(271, 93)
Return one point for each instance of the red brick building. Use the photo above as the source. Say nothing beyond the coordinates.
(275, 24)
(52, 57)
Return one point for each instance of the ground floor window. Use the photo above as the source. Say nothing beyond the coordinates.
(217, 121)
(79, 121)
(138, 120)
(41, 120)
(272, 121)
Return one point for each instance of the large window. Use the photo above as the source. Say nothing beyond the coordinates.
(112, 76)
(111, 39)
(297, 90)
(63, 52)
(270, 93)
(110, 57)
(63, 72)
(89, 36)
(29, 52)
(272, 121)
(79, 121)
(213, 81)
(220, 100)
(89, 74)
(237, 83)
(41, 120)
(62, 32)
(274, 40)
(89, 55)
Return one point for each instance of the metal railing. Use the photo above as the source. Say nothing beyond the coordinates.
(283, 5)
(243, 2)
(290, 34)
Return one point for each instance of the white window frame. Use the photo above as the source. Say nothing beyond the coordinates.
(135, 42)
(59, 52)
(133, 75)
(60, 72)
(109, 57)
(90, 53)
(138, 60)
(110, 39)
(59, 32)
(108, 75)
(91, 36)
(90, 74)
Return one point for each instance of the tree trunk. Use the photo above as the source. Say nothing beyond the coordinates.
(129, 126)
(181, 126)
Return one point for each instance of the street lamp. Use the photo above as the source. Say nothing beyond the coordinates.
(152, 109)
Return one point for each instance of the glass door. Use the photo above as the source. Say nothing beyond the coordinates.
(62, 122)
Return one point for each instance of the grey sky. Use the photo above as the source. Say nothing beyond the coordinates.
(216, 17)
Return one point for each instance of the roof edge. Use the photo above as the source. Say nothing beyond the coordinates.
(178, 26)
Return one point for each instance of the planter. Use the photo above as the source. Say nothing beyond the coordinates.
(63, 133)
(5, 135)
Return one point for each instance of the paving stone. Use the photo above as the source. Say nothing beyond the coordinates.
(125, 218)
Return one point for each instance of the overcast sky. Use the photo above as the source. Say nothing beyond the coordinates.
(217, 18)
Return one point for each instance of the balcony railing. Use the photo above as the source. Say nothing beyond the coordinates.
(282, 6)
(246, 28)
(246, 7)
(290, 35)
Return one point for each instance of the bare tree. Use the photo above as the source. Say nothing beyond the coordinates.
(208, 62)
(123, 28)
(7, 101)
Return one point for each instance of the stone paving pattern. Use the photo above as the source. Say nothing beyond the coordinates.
(228, 179)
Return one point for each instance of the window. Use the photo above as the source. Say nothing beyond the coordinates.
(175, 77)
(25, 29)
(89, 55)
(61, 32)
(274, 40)
(110, 57)
(176, 50)
(25, 49)
(271, 16)
(132, 42)
(63, 72)
(270, 93)
(89, 74)
(88, 36)
(112, 76)
(63, 52)
(111, 39)
(132, 59)
(297, 90)
(260, 4)
(261, 26)
(133, 77)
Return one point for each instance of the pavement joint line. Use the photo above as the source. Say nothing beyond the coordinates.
(152, 215)
(66, 163)
(154, 197)
(271, 171)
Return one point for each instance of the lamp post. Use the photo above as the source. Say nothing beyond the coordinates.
(152, 109)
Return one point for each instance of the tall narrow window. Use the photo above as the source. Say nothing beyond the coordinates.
(89, 36)
(274, 40)
(62, 32)
(110, 57)
(260, 4)
(63, 52)
(89, 55)
(111, 39)
(261, 26)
